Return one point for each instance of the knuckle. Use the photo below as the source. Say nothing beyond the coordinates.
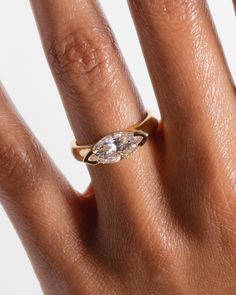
(83, 59)
(177, 9)
(10, 159)
(172, 14)
(17, 166)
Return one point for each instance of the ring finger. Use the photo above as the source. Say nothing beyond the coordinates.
(97, 92)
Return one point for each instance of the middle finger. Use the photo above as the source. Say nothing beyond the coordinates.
(189, 74)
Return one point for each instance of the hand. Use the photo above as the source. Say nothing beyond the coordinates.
(162, 221)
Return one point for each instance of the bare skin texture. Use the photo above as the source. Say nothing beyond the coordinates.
(162, 221)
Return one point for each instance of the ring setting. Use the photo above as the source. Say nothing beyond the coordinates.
(116, 146)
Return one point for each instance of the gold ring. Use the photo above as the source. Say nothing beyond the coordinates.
(116, 146)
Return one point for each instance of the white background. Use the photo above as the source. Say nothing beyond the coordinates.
(25, 73)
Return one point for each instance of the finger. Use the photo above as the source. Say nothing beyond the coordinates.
(88, 69)
(234, 3)
(193, 85)
(97, 93)
(36, 197)
(89, 191)
(196, 97)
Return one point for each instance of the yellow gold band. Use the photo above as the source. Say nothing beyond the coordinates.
(117, 145)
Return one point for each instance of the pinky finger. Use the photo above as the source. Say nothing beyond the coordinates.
(37, 198)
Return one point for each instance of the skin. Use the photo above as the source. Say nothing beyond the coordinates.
(163, 220)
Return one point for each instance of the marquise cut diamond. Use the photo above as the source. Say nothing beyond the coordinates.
(114, 147)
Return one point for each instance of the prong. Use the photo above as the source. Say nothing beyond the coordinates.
(143, 134)
(86, 159)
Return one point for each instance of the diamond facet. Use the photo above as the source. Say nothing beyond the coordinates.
(114, 147)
